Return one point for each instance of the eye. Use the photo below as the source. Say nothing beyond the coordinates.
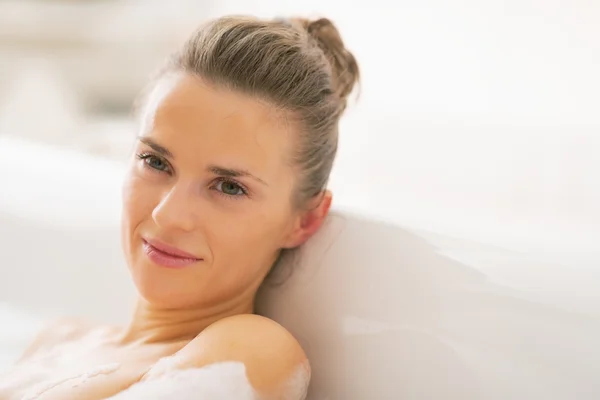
(152, 161)
(230, 188)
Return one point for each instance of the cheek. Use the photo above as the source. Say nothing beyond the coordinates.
(250, 241)
(243, 251)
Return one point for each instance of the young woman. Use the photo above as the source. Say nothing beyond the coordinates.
(237, 138)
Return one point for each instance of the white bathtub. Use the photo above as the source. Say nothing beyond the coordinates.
(385, 310)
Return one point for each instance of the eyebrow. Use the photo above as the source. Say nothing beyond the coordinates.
(163, 151)
(233, 173)
(215, 169)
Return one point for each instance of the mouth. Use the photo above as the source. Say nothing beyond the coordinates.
(167, 256)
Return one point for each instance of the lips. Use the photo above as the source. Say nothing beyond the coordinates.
(168, 256)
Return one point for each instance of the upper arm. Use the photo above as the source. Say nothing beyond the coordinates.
(276, 365)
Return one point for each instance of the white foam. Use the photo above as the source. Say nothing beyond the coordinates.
(76, 380)
(224, 381)
(102, 370)
(297, 386)
(220, 381)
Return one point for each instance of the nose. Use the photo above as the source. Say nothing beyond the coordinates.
(175, 211)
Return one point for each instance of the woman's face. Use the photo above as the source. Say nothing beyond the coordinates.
(208, 196)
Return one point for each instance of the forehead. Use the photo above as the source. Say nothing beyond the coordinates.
(193, 115)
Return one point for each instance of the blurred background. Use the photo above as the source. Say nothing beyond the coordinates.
(486, 110)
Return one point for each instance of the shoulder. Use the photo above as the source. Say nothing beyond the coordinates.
(248, 335)
(273, 358)
(271, 354)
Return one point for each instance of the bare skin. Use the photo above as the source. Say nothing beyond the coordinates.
(210, 176)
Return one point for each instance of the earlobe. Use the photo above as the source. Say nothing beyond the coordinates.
(311, 219)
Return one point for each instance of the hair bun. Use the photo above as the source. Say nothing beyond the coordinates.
(345, 69)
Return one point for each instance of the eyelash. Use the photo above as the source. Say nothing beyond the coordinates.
(242, 188)
(147, 157)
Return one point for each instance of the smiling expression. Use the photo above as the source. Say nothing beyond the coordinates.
(210, 184)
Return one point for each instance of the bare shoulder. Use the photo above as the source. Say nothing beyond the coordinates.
(257, 334)
(275, 362)
(54, 333)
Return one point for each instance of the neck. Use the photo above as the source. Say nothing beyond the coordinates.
(151, 324)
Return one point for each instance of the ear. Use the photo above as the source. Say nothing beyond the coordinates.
(310, 220)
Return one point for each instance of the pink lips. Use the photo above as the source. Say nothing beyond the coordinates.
(168, 256)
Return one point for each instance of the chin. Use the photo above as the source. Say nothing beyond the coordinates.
(163, 289)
